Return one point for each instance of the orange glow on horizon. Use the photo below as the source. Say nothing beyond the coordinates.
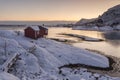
(53, 10)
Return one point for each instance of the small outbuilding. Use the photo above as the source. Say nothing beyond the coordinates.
(43, 31)
(35, 32)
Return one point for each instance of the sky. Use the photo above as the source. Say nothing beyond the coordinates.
(47, 10)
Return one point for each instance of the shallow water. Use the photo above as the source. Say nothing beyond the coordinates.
(109, 47)
(55, 33)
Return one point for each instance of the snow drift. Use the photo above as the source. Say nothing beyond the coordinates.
(40, 59)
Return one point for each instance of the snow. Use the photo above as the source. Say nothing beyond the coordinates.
(73, 55)
(74, 77)
(111, 17)
(7, 76)
(53, 48)
(106, 28)
(36, 28)
(84, 74)
(91, 39)
(83, 21)
(43, 62)
(117, 27)
(85, 28)
(9, 61)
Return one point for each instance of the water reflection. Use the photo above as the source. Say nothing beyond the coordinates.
(114, 43)
(112, 38)
(109, 47)
(112, 35)
(55, 33)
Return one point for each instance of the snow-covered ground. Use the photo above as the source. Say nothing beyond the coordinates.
(7, 76)
(85, 28)
(40, 59)
(95, 28)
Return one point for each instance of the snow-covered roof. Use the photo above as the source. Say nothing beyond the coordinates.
(43, 27)
(118, 27)
(36, 28)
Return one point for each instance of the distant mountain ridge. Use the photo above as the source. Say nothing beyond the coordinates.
(109, 18)
(35, 22)
(84, 21)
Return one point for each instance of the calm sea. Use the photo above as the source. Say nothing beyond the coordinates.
(35, 22)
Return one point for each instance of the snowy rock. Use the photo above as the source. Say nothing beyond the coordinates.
(85, 28)
(83, 21)
(117, 27)
(96, 75)
(111, 17)
(74, 77)
(106, 28)
(103, 78)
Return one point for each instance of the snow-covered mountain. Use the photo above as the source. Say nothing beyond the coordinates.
(109, 18)
(40, 59)
(85, 21)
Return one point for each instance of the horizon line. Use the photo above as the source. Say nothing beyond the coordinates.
(39, 20)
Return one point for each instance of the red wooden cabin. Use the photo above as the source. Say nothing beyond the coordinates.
(43, 31)
(35, 32)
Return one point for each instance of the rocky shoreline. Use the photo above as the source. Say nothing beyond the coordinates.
(113, 70)
(84, 38)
